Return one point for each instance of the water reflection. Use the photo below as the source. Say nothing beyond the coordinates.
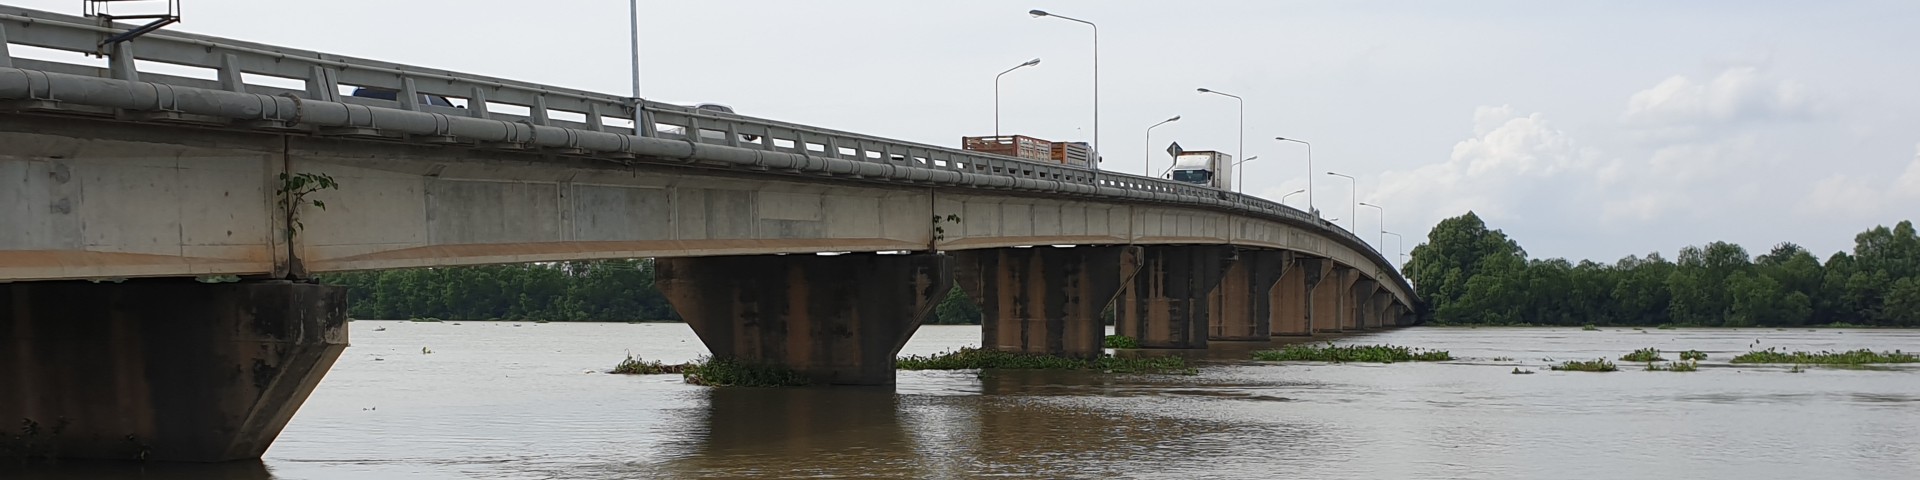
(834, 432)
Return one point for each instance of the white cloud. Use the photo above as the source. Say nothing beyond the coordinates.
(1908, 186)
(1735, 95)
(1512, 162)
(1854, 197)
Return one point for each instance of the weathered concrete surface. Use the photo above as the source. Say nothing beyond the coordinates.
(1243, 301)
(1360, 306)
(1330, 298)
(1291, 299)
(161, 369)
(1042, 300)
(837, 319)
(1164, 302)
(1380, 311)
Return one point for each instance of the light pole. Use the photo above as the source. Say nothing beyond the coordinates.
(1401, 242)
(996, 92)
(1310, 207)
(1355, 196)
(1241, 184)
(1096, 83)
(1242, 151)
(1147, 168)
(633, 27)
(1283, 198)
(1383, 223)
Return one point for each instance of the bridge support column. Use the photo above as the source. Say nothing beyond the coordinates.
(1360, 306)
(1331, 297)
(837, 319)
(1243, 302)
(1042, 300)
(1293, 297)
(1164, 301)
(161, 369)
(1380, 312)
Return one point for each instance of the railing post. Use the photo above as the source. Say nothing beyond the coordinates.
(6, 59)
(322, 85)
(120, 66)
(231, 78)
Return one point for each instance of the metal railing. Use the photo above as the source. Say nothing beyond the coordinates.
(248, 81)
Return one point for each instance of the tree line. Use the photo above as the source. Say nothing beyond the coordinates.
(595, 290)
(1468, 274)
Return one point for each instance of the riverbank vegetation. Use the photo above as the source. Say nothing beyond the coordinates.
(1351, 353)
(1855, 357)
(1595, 365)
(982, 359)
(1642, 356)
(635, 366)
(1471, 275)
(1121, 341)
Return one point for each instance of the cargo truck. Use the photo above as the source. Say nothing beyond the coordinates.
(1203, 167)
(1073, 154)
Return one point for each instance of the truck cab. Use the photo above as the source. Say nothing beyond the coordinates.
(1203, 167)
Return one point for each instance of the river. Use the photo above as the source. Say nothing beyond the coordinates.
(503, 400)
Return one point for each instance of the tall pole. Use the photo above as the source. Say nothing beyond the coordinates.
(996, 92)
(1383, 223)
(633, 19)
(1310, 208)
(1147, 164)
(1399, 241)
(1353, 225)
(1283, 198)
(1242, 153)
(1096, 85)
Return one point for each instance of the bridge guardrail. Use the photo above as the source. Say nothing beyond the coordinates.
(252, 68)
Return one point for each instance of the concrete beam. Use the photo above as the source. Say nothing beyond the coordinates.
(1041, 300)
(837, 319)
(1243, 301)
(1164, 302)
(163, 369)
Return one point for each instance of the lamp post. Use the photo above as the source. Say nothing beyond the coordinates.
(1354, 194)
(996, 92)
(1401, 242)
(633, 26)
(1241, 183)
(1147, 167)
(1383, 222)
(1283, 198)
(1096, 82)
(1242, 149)
(1310, 207)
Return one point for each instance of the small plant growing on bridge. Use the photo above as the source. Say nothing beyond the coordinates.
(1352, 353)
(1595, 365)
(1121, 341)
(939, 232)
(293, 195)
(1693, 355)
(1643, 355)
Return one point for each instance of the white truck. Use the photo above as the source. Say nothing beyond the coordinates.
(1204, 167)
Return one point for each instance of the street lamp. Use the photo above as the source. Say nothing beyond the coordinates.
(633, 19)
(1355, 196)
(996, 92)
(1242, 152)
(1310, 207)
(1283, 198)
(1096, 82)
(1383, 223)
(1401, 242)
(1147, 168)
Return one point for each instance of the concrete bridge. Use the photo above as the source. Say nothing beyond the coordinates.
(188, 157)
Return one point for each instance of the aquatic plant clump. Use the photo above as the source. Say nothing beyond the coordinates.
(982, 359)
(635, 366)
(728, 372)
(1856, 357)
(1673, 367)
(1595, 365)
(1352, 353)
(1643, 355)
(1693, 355)
(1121, 341)
(1590, 328)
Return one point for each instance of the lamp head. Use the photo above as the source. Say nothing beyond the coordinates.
(1205, 90)
(1175, 118)
(1037, 13)
(1030, 63)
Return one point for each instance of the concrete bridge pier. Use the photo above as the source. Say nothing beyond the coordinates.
(1380, 311)
(1164, 303)
(1293, 297)
(1332, 297)
(1042, 300)
(161, 369)
(1243, 303)
(1360, 313)
(838, 319)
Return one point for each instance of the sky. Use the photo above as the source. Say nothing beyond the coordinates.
(1583, 129)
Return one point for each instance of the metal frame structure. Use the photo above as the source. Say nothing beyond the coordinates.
(557, 120)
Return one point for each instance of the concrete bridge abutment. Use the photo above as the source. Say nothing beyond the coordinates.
(837, 319)
(161, 369)
(1042, 300)
(1164, 302)
(1243, 303)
